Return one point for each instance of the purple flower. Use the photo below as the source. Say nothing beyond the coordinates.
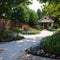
(38, 52)
(47, 54)
(42, 51)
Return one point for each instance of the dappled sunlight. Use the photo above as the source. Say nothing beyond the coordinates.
(20, 41)
(17, 48)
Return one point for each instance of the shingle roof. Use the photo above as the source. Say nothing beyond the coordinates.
(45, 20)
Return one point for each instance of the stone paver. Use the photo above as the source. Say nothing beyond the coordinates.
(31, 57)
(11, 50)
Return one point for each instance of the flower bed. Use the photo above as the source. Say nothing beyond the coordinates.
(41, 52)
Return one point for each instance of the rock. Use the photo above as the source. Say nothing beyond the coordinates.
(47, 54)
(38, 52)
(34, 52)
(28, 50)
(42, 51)
(58, 57)
(53, 56)
(2, 49)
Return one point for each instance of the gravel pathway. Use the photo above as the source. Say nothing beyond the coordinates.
(11, 50)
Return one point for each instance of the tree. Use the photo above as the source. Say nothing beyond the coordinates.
(33, 18)
(39, 13)
(19, 14)
(50, 1)
(52, 10)
(7, 5)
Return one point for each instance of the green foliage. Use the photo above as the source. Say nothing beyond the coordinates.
(38, 27)
(52, 9)
(39, 13)
(31, 31)
(50, 1)
(33, 18)
(17, 29)
(20, 14)
(7, 5)
(7, 36)
(18, 11)
(51, 44)
(56, 25)
(51, 28)
(58, 29)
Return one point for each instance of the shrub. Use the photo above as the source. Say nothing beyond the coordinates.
(58, 29)
(55, 25)
(17, 29)
(51, 44)
(51, 28)
(7, 36)
(38, 27)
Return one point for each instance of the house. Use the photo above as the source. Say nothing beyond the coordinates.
(45, 22)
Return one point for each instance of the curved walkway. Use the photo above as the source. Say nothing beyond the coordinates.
(17, 48)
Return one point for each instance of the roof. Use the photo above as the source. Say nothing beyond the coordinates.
(45, 20)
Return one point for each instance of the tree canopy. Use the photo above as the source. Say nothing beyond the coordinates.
(19, 14)
(50, 1)
(33, 17)
(6, 5)
(39, 13)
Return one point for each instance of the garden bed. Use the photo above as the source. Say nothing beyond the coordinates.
(31, 32)
(49, 47)
(10, 36)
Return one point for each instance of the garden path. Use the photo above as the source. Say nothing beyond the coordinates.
(11, 50)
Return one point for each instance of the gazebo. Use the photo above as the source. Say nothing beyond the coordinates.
(45, 22)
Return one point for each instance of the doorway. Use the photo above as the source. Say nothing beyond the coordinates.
(45, 26)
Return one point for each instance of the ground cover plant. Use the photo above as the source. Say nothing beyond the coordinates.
(31, 30)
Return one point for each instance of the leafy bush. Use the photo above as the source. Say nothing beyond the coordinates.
(38, 27)
(7, 36)
(58, 29)
(17, 29)
(51, 44)
(14, 37)
(51, 28)
(55, 25)
(31, 31)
